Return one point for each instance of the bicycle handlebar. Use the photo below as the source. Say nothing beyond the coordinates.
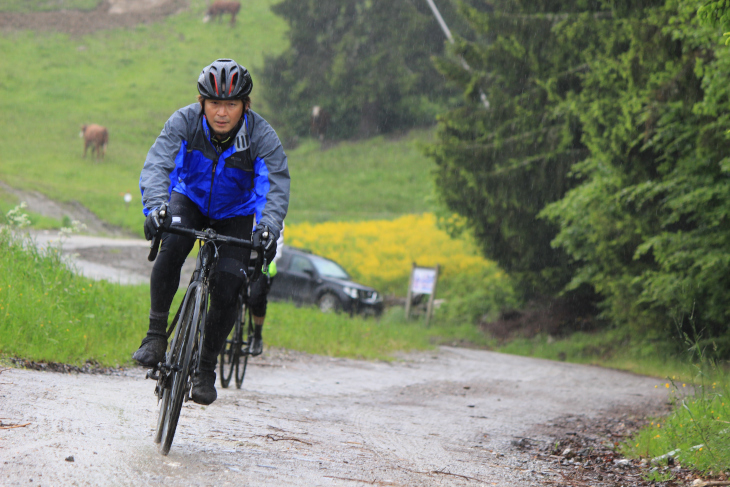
(208, 235)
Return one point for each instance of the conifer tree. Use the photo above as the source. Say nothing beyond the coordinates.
(367, 62)
(499, 167)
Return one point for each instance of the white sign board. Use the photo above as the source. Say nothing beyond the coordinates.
(423, 281)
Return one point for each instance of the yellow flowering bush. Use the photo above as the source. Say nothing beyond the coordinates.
(381, 253)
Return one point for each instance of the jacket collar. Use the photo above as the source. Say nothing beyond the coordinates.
(242, 141)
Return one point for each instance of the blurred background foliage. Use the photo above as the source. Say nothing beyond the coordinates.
(367, 62)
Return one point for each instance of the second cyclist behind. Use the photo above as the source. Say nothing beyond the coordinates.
(258, 298)
(218, 165)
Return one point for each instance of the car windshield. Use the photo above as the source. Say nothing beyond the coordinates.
(328, 268)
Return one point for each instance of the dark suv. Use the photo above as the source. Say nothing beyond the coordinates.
(306, 278)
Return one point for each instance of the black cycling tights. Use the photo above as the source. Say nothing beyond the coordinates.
(225, 282)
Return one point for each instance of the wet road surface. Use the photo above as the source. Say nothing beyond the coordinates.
(447, 417)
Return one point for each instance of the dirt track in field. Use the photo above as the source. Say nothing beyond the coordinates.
(110, 14)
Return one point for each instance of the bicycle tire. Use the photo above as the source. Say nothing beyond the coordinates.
(162, 414)
(232, 350)
(190, 326)
(174, 351)
(241, 368)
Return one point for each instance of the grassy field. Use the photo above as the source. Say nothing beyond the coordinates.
(131, 80)
(380, 178)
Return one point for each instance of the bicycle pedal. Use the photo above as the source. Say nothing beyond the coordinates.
(152, 374)
(169, 367)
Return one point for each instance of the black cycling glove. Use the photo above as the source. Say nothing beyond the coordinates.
(262, 236)
(153, 223)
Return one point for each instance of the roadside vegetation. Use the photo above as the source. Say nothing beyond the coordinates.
(50, 314)
(695, 434)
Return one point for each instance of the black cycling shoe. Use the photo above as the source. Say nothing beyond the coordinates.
(257, 347)
(204, 388)
(152, 351)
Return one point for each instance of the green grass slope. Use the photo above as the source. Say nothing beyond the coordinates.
(131, 80)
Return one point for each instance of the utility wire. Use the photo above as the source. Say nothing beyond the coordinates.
(448, 35)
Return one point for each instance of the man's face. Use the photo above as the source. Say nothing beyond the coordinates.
(223, 115)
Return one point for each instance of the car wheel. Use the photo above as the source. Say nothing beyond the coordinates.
(328, 302)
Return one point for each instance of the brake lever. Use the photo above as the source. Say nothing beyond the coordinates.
(155, 244)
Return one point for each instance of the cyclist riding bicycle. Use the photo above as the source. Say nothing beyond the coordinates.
(217, 164)
(258, 298)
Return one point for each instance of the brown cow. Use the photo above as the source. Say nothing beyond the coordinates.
(221, 7)
(97, 137)
(319, 122)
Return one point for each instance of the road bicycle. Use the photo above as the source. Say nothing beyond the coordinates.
(235, 353)
(182, 361)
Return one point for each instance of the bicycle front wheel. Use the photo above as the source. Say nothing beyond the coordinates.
(231, 353)
(162, 414)
(247, 326)
(181, 367)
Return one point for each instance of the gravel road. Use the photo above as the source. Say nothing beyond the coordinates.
(449, 417)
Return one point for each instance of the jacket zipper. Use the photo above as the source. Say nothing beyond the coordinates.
(215, 164)
(212, 178)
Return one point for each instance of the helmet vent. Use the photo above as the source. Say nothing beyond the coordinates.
(214, 83)
(223, 78)
(234, 80)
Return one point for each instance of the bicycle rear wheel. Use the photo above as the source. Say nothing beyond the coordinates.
(247, 327)
(231, 353)
(181, 367)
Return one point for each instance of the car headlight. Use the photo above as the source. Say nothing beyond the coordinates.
(350, 291)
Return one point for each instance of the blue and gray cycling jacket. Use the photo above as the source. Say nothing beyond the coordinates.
(250, 177)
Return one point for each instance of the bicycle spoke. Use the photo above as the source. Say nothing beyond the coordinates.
(241, 368)
(232, 351)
